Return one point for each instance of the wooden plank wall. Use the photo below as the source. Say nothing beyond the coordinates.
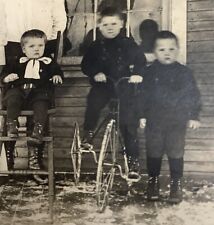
(199, 158)
(200, 36)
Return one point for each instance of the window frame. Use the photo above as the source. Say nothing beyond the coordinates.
(174, 18)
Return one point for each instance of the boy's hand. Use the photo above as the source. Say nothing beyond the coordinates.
(57, 79)
(142, 123)
(194, 124)
(11, 77)
(136, 79)
(100, 77)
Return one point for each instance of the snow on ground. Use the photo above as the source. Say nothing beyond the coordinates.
(24, 203)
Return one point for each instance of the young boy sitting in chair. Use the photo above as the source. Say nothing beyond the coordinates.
(29, 82)
(112, 57)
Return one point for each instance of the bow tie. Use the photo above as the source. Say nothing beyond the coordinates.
(33, 66)
(45, 60)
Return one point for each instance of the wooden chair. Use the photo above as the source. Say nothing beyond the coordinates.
(6, 143)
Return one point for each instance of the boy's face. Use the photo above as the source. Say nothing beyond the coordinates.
(166, 51)
(110, 26)
(34, 48)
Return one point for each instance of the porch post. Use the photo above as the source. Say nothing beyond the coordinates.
(179, 25)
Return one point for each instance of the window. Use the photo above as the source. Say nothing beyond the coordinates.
(83, 15)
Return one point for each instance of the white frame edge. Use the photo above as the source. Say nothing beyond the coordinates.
(174, 18)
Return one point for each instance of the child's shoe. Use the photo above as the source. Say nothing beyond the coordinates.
(134, 168)
(37, 135)
(33, 158)
(87, 139)
(176, 194)
(34, 164)
(12, 128)
(153, 189)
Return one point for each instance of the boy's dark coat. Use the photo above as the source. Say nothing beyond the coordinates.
(114, 57)
(47, 71)
(169, 94)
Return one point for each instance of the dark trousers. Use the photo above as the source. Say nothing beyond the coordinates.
(169, 139)
(129, 134)
(175, 166)
(166, 138)
(16, 99)
(97, 99)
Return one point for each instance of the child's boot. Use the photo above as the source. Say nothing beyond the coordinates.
(33, 158)
(37, 135)
(34, 164)
(12, 128)
(176, 171)
(153, 188)
(87, 139)
(176, 194)
(134, 167)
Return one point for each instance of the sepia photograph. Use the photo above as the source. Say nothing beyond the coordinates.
(106, 112)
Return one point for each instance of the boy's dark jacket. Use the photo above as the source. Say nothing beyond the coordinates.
(169, 94)
(46, 72)
(114, 57)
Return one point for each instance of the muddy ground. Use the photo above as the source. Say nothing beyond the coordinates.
(23, 202)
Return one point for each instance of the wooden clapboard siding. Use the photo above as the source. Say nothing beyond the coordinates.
(200, 57)
(199, 144)
(200, 5)
(71, 101)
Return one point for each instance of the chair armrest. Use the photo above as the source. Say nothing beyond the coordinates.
(27, 112)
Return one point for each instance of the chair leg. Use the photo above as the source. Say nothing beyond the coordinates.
(2, 129)
(51, 180)
(3, 158)
(9, 145)
(9, 149)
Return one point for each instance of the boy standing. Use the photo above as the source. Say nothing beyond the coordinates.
(30, 81)
(170, 100)
(112, 57)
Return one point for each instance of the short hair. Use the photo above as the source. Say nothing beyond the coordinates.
(165, 34)
(148, 26)
(111, 11)
(34, 33)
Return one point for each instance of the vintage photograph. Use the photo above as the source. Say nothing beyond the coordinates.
(106, 112)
